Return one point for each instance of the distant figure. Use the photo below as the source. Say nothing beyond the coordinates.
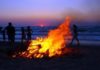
(10, 30)
(75, 34)
(29, 33)
(3, 35)
(23, 38)
(0, 30)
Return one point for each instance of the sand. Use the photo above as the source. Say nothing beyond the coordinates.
(88, 58)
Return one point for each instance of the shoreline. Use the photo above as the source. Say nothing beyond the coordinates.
(5, 45)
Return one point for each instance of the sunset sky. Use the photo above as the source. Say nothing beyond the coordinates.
(22, 12)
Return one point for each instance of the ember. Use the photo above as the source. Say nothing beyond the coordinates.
(54, 44)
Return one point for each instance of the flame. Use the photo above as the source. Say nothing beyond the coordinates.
(54, 44)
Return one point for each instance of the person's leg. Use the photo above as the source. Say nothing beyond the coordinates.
(9, 39)
(78, 43)
(9, 44)
(30, 37)
(12, 40)
(72, 41)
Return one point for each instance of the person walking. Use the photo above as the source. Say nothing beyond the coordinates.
(75, 34)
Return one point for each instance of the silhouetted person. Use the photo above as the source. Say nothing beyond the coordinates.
(3, 35)
(23, 38)
(11, 33)
(75, 34)
(29, 33)
(0, 30)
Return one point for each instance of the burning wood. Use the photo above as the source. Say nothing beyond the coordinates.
(54, 44)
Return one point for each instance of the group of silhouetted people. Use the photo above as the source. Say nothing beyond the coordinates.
(26, 34)
(10, 31)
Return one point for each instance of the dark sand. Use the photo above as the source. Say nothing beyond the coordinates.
(87, 59)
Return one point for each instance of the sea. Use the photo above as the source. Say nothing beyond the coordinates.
(87, 34)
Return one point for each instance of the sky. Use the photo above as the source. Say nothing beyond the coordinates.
(26, 12)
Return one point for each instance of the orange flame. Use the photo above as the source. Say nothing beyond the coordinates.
(52, 45)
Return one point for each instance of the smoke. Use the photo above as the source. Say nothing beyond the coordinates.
(89, 10)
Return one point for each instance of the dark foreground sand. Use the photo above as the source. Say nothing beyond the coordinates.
(87, 59)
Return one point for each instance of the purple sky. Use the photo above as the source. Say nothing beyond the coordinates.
(25, 12)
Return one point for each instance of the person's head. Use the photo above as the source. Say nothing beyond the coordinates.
(28, 27)
(74, 25)
(10, 24)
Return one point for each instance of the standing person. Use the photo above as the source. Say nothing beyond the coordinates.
(23, 39)
(29, 33)
(75, 34)
(10, 30)
(23, 34)
(0, 30)
(4, 35)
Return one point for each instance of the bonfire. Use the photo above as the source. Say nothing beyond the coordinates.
(53, 45)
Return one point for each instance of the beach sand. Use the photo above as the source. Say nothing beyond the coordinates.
(88, 58)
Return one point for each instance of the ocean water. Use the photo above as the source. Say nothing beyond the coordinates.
(86, 33)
